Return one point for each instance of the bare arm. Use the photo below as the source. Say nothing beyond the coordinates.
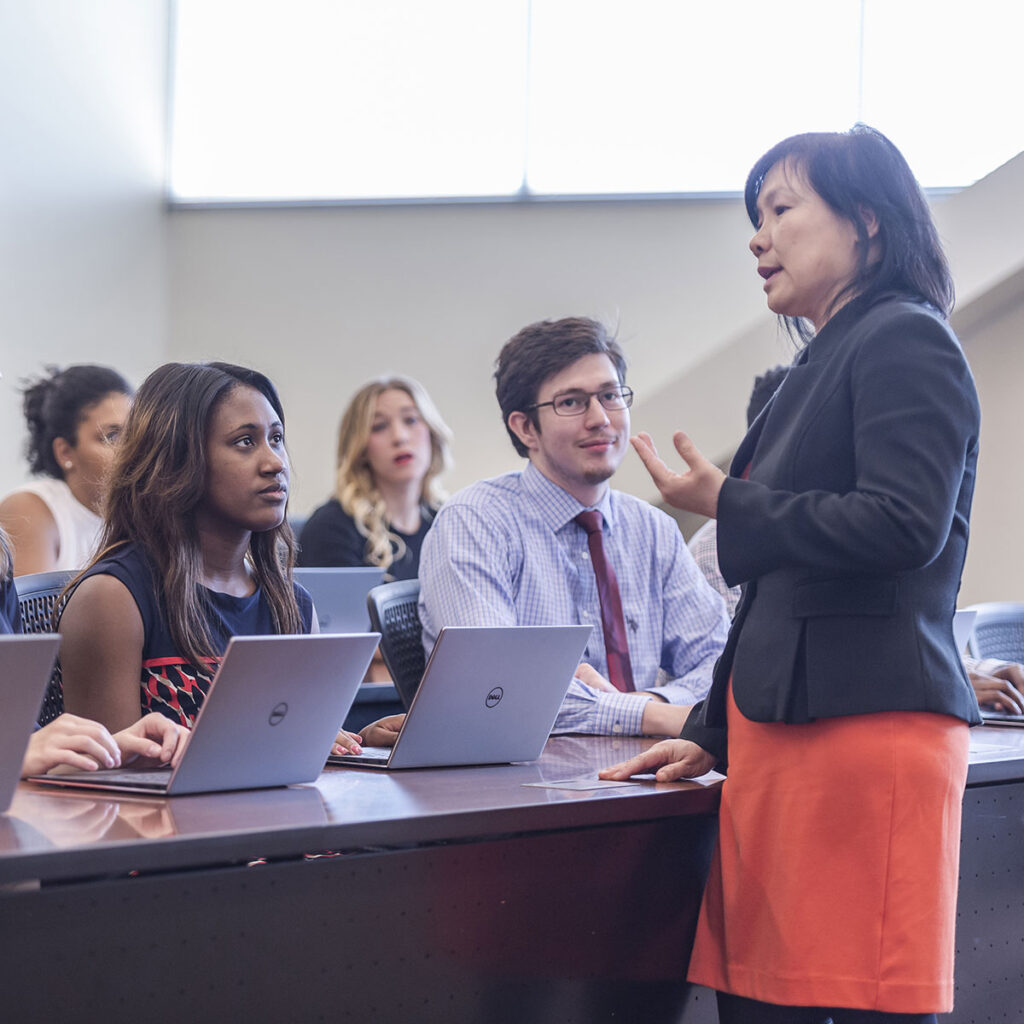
(35, 543)
(101, 653)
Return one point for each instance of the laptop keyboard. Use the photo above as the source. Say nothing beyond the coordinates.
(149, 777)
(379, 755)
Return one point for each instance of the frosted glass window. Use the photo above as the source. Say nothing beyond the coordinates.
(676, 97)
(360, 100)
(942, 80)
(318, 99)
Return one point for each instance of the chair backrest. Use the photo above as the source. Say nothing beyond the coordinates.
(393, 613)
(37, 596)
(998, 631)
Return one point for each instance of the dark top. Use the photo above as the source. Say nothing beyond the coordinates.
(330, 538)
(169, 684)
(850, 533)
(10, 614)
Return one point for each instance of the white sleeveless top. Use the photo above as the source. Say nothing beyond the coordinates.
(78, 527)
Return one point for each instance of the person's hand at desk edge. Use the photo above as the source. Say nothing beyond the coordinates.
(669, 760)
(997, 684)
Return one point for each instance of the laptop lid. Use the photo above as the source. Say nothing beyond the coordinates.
(270, 718)
(339, 596)
(489, 695)
(26, 662)
(963, 627)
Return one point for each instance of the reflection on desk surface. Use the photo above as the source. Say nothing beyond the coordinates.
(352, 794)
(74, 817)
(43, 820)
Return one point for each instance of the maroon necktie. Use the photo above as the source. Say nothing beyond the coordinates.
(620, 672)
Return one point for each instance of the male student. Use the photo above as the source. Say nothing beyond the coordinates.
(509, 550)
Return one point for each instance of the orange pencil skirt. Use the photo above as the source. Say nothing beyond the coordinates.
(834, 882)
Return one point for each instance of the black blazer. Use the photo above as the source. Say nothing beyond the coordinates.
(851, 531)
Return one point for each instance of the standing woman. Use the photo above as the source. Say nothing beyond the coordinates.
(74, 418)
(840, 699)
(196, 547)
(392, 447)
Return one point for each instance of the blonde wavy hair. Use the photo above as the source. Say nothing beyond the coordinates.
(356, 489)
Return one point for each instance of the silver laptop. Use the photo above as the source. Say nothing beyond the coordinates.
(489, 695)
(270, 718)
(339, 596)
(25, 666)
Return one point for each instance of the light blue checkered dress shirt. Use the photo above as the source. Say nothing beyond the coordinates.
(506, 551)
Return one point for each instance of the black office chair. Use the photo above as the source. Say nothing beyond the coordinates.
(393, 614)
(998, 631)
(37, 597)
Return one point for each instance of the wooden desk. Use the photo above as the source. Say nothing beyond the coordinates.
(459, 895)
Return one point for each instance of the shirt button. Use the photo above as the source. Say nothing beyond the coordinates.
(617, 727)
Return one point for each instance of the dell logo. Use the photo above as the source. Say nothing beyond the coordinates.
(277, 715)
(494, 697)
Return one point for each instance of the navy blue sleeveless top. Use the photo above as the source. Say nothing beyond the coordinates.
(170, 684)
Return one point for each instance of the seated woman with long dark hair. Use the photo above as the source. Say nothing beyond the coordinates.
(196, 547)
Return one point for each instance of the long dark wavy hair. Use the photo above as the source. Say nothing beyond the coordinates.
(861, 171)
(158, 479)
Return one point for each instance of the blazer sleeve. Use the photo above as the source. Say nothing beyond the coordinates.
(914, 421)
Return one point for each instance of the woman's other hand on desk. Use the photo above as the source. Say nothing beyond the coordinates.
(347, 743)
(669, 760)
(153, 740)
(697, 489)
(1000, 687)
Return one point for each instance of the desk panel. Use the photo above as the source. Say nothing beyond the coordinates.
(459, 895)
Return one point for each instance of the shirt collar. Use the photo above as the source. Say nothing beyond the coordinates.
(557, 507)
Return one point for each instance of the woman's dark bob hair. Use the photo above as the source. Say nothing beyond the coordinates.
(858, 171)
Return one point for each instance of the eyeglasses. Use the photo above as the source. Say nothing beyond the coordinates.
(576, 403)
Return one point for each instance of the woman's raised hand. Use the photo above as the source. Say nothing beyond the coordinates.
(697, 489)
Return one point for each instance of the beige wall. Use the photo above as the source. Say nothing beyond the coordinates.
(322, 299)
(995, 558)
(81, 218)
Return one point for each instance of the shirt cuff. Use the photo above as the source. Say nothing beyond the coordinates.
(601, 713)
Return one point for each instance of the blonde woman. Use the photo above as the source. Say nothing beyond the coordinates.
(392, 447)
